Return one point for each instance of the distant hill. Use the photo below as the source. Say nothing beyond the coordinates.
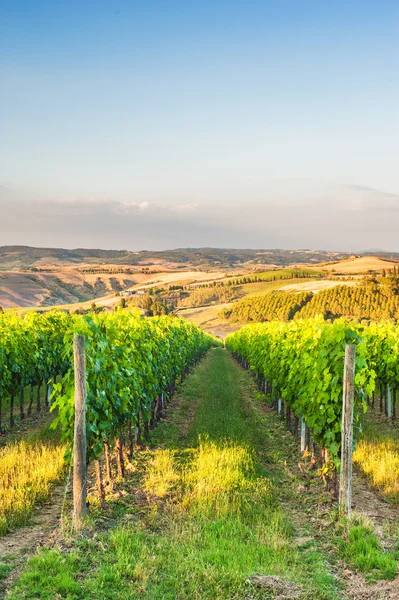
(51, 276)
(362, 264)
(20, 257)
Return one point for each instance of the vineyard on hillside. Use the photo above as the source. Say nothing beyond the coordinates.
(31, 354)
(370, 302)
(373, 301)
(302, 362)
(276, 305)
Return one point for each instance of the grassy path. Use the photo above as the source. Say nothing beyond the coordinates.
(203, 510)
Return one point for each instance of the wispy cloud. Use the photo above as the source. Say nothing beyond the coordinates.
(184, 208)
(336, 217)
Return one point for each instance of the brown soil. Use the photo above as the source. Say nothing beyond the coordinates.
(25, 541)
(358, 589)
(43, 529)
(371, 505)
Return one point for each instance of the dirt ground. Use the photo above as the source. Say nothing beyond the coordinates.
(316, 286)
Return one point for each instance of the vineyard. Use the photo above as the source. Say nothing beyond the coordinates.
(109, 383)
(373, 301)
(302, 362)
(277, 305)
(132, 367)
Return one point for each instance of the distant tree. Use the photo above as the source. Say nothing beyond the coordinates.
(122, 303)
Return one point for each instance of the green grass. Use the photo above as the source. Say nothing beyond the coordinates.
(362, 549)
(202, 513)
(207, 505)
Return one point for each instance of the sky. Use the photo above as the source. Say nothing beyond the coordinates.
(159, 123)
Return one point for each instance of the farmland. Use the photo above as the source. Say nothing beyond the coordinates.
(213, 472)
(220, 473)
(43, 278)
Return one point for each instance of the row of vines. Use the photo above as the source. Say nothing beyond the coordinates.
(31, 354)
(302, 363)
(132, 367)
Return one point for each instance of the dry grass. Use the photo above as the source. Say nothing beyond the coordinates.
(315, 286)
(216, 478)
(27, 471)
(379, 460)
(162, 475)
(352, 266)
(181, 278)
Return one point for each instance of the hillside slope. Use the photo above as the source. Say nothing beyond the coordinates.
(17, 257)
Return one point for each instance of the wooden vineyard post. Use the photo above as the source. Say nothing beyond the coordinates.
(303, 435)
(345, 481)
(389, 402)
(79, 439)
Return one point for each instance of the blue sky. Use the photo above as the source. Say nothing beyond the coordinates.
(189, 113)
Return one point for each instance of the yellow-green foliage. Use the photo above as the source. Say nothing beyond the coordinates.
(371, 301)
(275, 305)
(379, 459)
(215, 478)
(161, 476)
(218, 477)
(26, 472)
(200, 296)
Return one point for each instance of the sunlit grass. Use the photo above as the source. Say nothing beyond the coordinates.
(362, 549)
(27, 470)
(215, 478)
(221, 480)
(162, 475)
(379, 460)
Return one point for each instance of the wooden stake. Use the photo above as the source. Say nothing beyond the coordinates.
(130, 440)
(30, 400)
(79, 440)
(21, 403)
(108, 469)
(38, 404)
(12, 397)
(100, 484)
(119, 455)
(303, 435)
(345, 482)
(389, 402)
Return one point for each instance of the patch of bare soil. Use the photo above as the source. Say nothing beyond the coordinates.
(370, 504)
(44, 531)
(280, 588)
(358, 589)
